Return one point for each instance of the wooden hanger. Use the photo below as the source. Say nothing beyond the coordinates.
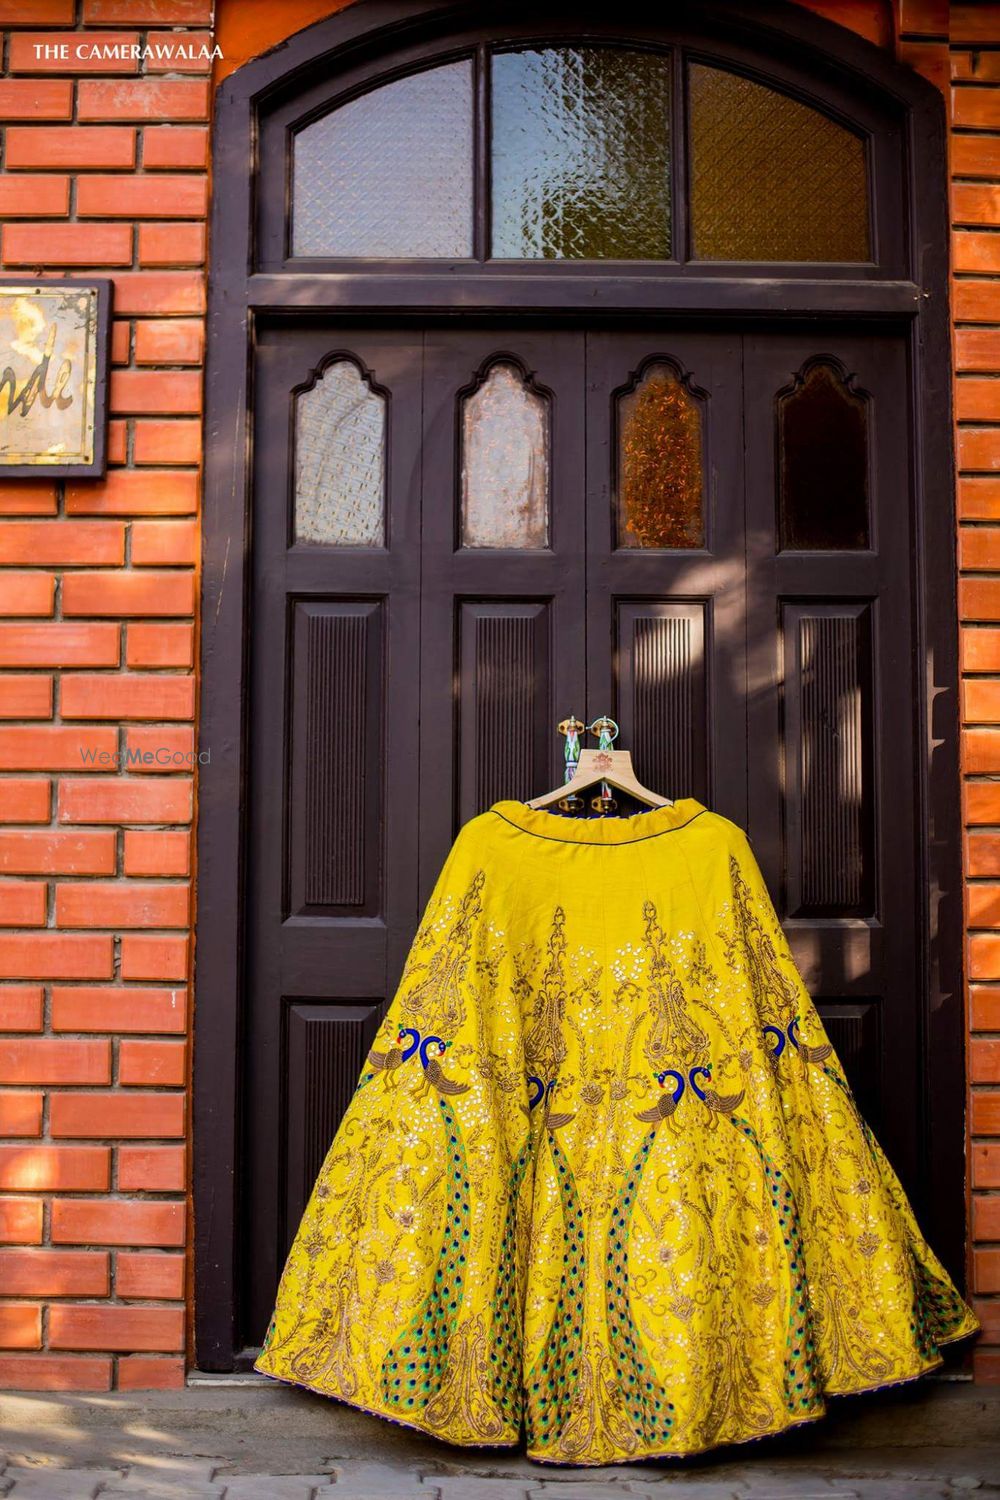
(603, 765)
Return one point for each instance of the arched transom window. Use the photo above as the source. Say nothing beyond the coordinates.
(578, 153)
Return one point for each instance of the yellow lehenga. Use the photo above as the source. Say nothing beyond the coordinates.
(603, 1181)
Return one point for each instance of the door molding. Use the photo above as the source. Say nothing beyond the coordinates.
(909, 290)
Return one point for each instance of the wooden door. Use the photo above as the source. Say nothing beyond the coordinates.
(462, 534)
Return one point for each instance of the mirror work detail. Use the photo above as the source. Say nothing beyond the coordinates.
(580, 165)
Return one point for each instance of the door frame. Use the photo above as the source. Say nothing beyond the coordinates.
(786, 43)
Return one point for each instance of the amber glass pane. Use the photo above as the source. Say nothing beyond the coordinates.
(340, 460)
(771, 179)
(822, 463)
(660, 464)
(505, 463)
(390, 173)
(581, 154)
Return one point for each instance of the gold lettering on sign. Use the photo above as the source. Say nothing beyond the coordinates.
(48, 371)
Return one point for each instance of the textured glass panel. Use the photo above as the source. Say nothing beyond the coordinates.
(660, 465)
(581, 154)
(822, 463)
(339, 460)
(771, 179)
(389, 173)
(505, 463)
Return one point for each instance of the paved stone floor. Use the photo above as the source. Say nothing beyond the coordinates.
(257, 1442)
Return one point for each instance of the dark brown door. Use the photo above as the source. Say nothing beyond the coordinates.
(462, 535)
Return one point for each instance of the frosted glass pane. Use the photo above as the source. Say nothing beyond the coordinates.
(822, 463)
(660, 463)
(505, 463)
(390, 173)
(772, 179)
(581, 154)
(339, 461)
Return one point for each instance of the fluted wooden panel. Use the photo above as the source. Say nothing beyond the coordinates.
(830, 819)
(661, 695)
(503, 704)
(335, 755)
(326, 1046)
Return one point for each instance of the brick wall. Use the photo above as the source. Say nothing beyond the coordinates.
(105, 170)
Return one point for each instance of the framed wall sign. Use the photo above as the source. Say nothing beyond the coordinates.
(54, 377)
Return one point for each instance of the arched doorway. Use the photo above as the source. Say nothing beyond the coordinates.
(565, 367)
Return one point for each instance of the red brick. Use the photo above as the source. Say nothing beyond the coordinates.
(20, 1221)
(154, 957)
(45, 955)
(62, 543)
(35, 99)
(49, 1060)
(165, 56)
(975, 203)
(138, 593)
(976, 67)
(60, 644)
(143, 99)
(975, 155)
(112, 1008)
(977, 349)
(164, 543)
(125, 695)
(49, 747)
(984, 1052)
(118, 1116)
(121, 333)
(119, 799)
(979, 498)
(985, 1007)
(169, 341)
(981, 700)
(985, 1117)
(20, 1326)
(172, 442)
(976, 301)
(26, 696)
(27, 594)
(56, 851)
(100, 1221)
(27, 497)
(23, 903)
(20, 1115)
(171, 146)
(146, 1064)
(144, 1372)
(25, 799)
(117, 443)
(141, 12)
(155, 391)
(978, 598)
(33, 197)
(55, 1273)
(125, 1328)
(21, 1007)
(157, 853)
(54, 1372)
(149, 293)
(975, 252)
(986, 1270)
(68, 1169)
(152, 1169)
(159, 751)
(979, 448)
(977, 400)
(159, 197)
(126, 492)
(986, 1218)
(26, 52)
(172, 244)
(75, 146)
(984, 957)
(151, 1277)
(122, 903)
(160, 645)
(37, 12)
(67, 244)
